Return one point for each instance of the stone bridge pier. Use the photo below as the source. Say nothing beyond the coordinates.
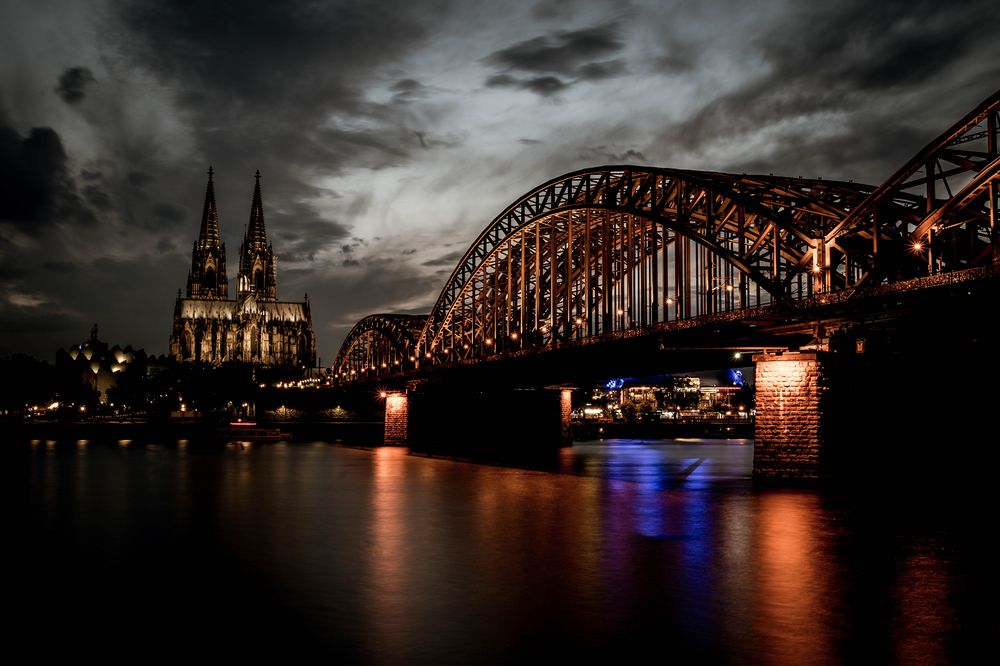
(441, 417)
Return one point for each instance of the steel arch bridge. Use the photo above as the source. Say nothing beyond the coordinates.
(618, 248)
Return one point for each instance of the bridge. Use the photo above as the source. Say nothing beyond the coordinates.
(622, 269)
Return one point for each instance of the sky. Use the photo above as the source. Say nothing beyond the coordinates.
(390, 133)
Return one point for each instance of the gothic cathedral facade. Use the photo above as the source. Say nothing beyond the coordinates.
(256, 327)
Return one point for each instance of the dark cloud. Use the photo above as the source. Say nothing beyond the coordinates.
(72, 84)
(852, 60)
(544, 86)
(300, 233)
(139, 178)
(270, 70)
(58, 266)
(406, 90)
(607, 69)
(35, 188)
(561, 52)
(449, 259)
(168, 212)
(676, 62)
(97, 197)
(501, 81)
(551, 63)
(604, 155)
(38, 330)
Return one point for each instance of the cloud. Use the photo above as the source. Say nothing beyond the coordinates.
(139, 178)
(561, 52)
(544, 86)
(35, 188)
(607, 69)
(447, 260)
(827, 99)
(168, 212)
(407, 90)
(607, 156)
(552, 63)
(97, 197)
(73, 83)
(300, 234)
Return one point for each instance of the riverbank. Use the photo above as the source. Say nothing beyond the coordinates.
(170, 430)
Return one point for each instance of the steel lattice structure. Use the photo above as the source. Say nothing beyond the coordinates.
(379, 344)
(615, 248)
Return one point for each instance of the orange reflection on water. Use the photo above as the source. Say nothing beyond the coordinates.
(388, 537)
(793, 595)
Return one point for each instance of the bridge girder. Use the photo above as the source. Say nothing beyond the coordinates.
(377, 345)
(615, 248)
(574, 240)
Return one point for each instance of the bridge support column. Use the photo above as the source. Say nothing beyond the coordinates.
(459, 420)
(792, 424)
(397, 417)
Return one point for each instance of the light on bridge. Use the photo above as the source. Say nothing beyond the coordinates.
(620, 312)
(489, 341)
(427, 355)
(465, 345)
(513, 336)
(917, 246)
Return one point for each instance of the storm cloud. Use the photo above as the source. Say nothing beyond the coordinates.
(73, 83)
(389, 133)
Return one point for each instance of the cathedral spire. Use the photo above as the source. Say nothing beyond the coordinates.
(209, 234)
(257, 263)
(256, 234)
(207, 278)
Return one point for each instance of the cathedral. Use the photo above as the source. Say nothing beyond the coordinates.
(255, 327)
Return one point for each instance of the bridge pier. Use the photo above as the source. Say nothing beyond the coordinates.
(451, 418)
(793, 414)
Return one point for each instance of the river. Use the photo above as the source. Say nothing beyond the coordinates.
(126, 550)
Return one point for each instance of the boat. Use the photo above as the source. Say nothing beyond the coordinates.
(248, 431)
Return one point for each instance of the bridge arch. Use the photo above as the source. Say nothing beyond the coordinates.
(614, 248)
(379, 344)
(938, 212)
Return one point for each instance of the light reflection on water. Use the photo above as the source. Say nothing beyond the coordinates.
(383, 557)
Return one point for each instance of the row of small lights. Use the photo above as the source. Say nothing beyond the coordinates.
(579, 321)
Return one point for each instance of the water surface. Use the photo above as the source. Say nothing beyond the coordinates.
(133, 550)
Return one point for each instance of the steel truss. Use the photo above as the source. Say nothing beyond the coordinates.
(616, 248)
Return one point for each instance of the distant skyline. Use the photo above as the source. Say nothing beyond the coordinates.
(389, 134)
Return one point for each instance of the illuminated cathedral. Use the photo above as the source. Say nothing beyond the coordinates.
(254, 328)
